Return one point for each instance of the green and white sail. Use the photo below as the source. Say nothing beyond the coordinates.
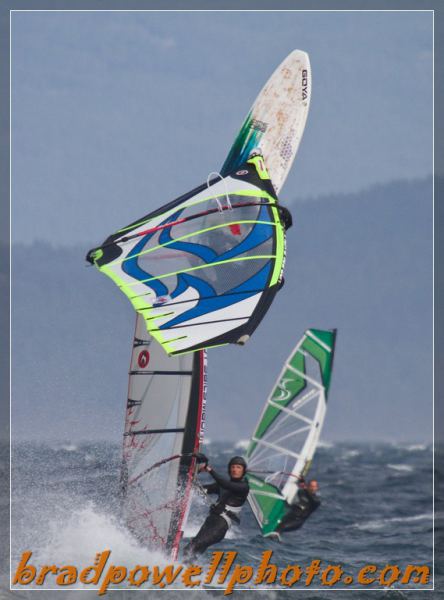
(285, 439)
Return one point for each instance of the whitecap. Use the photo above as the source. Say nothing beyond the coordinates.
(416, 447)
(191, 529)
(401, 468)
(421, 517)
(69, 447)
(242, 444)
(88, 531)
(322, 444)
(351, 453)
(380, 523)
(76, 539)
(65, 447)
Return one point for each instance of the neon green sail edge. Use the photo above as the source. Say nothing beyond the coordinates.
(145, 303)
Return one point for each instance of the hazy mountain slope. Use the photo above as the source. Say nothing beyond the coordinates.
(361, 263)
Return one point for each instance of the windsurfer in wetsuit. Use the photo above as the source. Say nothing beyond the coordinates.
(233, 492)
(306, 501)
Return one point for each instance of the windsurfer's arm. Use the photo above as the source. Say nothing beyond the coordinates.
(211, 488)
(202, 460)
(314, 500)
(238, 487)
(309, 498)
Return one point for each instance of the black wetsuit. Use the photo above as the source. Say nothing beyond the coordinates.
(306, 503)
(232, 495)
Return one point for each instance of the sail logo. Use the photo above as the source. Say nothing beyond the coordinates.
(161, 300)
(304, 84)
(281, 392)
(143, 359)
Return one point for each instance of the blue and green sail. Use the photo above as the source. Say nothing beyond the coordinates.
(203, 269)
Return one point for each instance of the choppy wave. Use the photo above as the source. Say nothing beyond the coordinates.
(401, 468)
(66, 447)
(412, 447)
(242, 444)
(88, 530)
(323, 444)
(351, 454)
(416, 447)
(77, 538)
(66, 508)
(381, 523)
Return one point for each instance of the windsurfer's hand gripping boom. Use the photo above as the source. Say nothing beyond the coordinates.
(202, 461)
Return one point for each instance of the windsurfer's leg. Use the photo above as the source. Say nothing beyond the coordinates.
(290, 522)
(212, 531)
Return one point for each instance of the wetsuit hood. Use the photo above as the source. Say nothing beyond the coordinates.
(237, 460)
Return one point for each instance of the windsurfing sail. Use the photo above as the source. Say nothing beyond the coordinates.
(163, 428)
(285, 439)
(203, 269)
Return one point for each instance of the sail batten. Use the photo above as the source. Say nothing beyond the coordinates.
(163, 429)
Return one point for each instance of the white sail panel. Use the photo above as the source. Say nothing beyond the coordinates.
(163, 428)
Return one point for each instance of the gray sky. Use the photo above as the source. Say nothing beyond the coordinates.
(115, 114)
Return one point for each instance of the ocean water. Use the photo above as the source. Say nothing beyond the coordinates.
(377, 508)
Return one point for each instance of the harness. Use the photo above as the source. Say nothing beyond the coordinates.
(230, 514)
